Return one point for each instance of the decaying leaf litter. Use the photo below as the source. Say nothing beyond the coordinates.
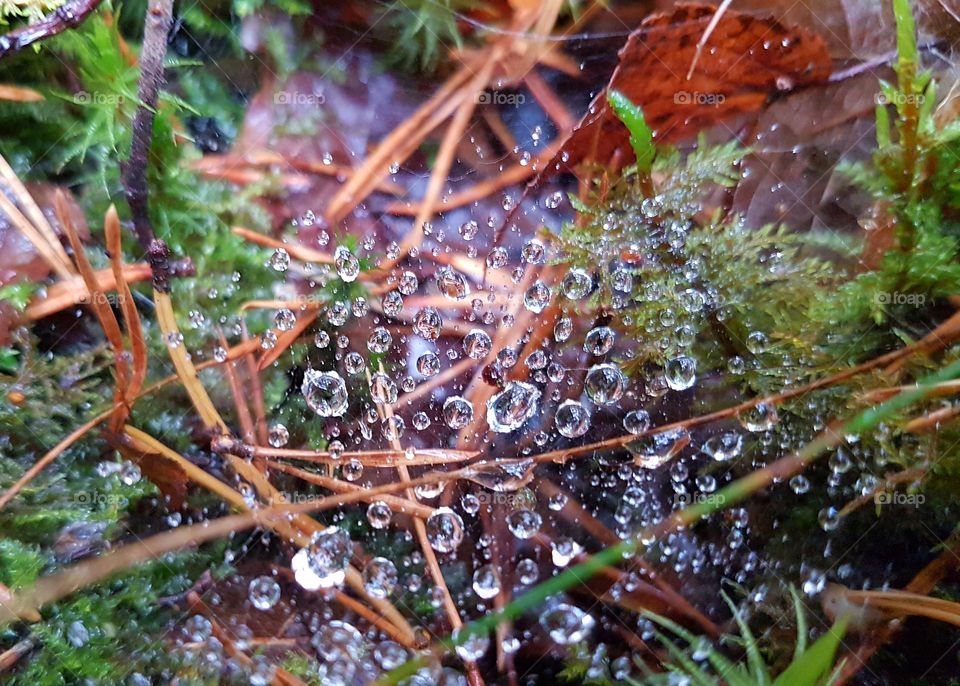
(492, 356)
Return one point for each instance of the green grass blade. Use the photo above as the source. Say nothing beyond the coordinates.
(641, 137)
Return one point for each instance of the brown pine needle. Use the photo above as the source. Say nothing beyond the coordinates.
(58, 261)
(948, 331)
(259, 408)
(296, 251)
(73, 291)
(396, 504)
(246, 470)
(239, 398)
(50, 255)
(181, 361)
(131, 318)
(429, 555)
(281, 677)
(933, 420)
(387, 458)
(146, 444)
(397, 146)
(444, 160)
(286, 339)
(551, 104)
(104, 313)
(89, 572)
(19, 94)
(701, 44)
(50, 456)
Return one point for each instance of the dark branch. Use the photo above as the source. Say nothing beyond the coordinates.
(67, 16)
(156, 28)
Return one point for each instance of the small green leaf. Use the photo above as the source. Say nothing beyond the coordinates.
(808, 668)
(18, 294)
(883, 127)
(906, 37)
(641, 137)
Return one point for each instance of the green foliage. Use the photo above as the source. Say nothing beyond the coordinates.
(124, 631)
(80, 134)
(18, 294)
(912, 177)
(641, 137)
(59, 390)
(421, 31)
(32, 10)
(675, 278)
(20, 563)
(704, 665)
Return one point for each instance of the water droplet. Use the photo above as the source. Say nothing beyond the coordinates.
(759, 417)
(605, 384)
(637, 421)
(323, 563)
(264, 592)
(379, 341)
(383, 389)
(477, 344)
(278, 435)
(511, 407)
(527, 571)
(563, 550)
(325, 393)
(428, 364)
(533, 251)
(599, 340)
(567, 624)
(457, 412)
(681, 373)
(537, 297)
(280, 260)
(486, 581)
(427, 323)
(379, 514)
(347, 265)
(452, 283)
(468, 230)
(577, 284)
(380, 577)
(723, 447)
(471, 648)
(497, 258)
(524, 523)
(572, 419)
(444, 530)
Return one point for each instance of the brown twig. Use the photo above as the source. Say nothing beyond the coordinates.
(157, 25)
(69, 15)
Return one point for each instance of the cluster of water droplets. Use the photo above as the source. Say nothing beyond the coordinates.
(401, 364)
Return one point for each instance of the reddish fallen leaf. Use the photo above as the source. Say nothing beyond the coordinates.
(746, 60)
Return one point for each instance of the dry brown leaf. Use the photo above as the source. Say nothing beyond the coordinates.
(746, 60)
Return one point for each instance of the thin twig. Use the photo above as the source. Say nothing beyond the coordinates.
(157, 25)
(69, 15)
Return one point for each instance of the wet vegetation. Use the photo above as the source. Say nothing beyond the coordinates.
(335, 350)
